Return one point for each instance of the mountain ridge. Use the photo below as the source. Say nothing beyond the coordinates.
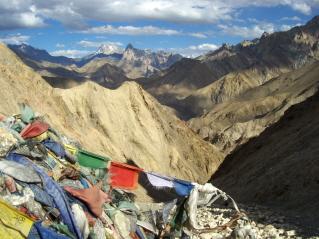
(269, 56)
(148, 61)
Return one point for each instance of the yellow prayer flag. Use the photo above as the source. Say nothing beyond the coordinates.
(13, 224)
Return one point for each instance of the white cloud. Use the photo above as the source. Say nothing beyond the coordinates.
(301, 7)
(198, 35)
(96, 44)
(253, 20)
(204, 47)
(20, 20)
(256, 30)
(59, 45)
(247, 32)
(194, 51)
(286, 27)
(19, 14)
(78, 13)
(130, 30)
(70, 53)
(15, 39)
(294, 18)
(135, 31)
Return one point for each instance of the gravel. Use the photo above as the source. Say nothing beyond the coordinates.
(260, 223)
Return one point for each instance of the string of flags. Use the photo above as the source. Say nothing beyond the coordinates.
(50, 187)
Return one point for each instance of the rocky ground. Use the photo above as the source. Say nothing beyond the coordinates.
(263, 223)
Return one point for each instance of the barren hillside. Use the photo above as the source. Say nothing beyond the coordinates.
(126, 123)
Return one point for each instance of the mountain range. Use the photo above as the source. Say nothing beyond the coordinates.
(133, 62)
(234, 93)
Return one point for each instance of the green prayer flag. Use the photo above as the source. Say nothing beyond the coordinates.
(91, 160)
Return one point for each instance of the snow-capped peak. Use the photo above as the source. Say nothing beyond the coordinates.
(108, 49)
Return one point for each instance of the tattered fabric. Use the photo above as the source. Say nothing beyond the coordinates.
(94, 197)
(34, 129)
(13, 224)
(124, 176)
(211, 194)
(183, 188)
(19, 172)
(91, 160)
(55, 147)
(159, 181)
(41, 232)
(54, 190)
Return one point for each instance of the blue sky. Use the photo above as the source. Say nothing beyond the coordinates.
(190, 27)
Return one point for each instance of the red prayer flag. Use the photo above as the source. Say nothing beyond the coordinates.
(124, 176)
(34, 129)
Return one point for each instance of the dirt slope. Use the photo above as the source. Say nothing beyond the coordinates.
(126, 123)
(279, 168)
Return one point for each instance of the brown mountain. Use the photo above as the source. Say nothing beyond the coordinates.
(235, 92)
(194, 87)
(280, 167)
(126, 123)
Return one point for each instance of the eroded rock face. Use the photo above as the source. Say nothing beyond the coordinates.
(233, 122)
(126, 123)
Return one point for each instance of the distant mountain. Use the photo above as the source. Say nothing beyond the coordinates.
(108, 49)
(137, 63)
(134, 62)
(105, 51)
(25, 51)
(64, 72)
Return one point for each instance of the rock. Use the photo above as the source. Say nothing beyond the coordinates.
(206, 236)
(291, 233)
(243, 232)
(211, 236)
(269, 228)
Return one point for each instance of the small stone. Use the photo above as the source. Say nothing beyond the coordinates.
(206, 236)
(291, 233)
(269, 228)
(216, 236)
(228, 229)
